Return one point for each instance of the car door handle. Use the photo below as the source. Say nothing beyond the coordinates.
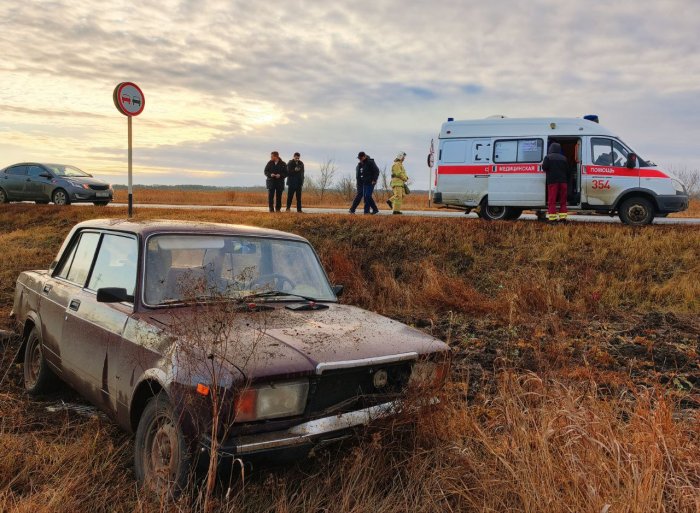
(47, 288)
(74, 305)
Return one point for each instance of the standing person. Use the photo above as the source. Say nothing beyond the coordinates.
(295, 180)
(366, 174)
(557, 169)
(275, 171)
(398, 181)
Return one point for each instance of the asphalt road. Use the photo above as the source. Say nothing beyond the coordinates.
(420, 213)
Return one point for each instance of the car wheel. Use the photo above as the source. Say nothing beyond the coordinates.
(3, 196)
(38, 377)
(637, 211)
(60, 197)
(161, 457)
(100, 203)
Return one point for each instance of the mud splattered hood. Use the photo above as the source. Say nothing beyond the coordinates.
(287, 343)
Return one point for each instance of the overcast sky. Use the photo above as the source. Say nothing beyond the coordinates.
(228, 81)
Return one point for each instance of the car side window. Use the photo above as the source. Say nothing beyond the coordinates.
(77, 266)
(35, 171)
(17, 170)
(116, 264)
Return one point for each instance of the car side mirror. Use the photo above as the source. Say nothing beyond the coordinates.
(631, 161)
(338, 290)
(113, 295)
(46, 175)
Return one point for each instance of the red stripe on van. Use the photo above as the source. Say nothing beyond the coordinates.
(517, 168)
(463, 170)
(623, 171)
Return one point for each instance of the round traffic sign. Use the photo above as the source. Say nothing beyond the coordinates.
(129, 99)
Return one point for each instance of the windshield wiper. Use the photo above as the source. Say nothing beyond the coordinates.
(278, 293)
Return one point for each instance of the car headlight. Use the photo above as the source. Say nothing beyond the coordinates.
(272, 401)
(679, 186)
(429, 374)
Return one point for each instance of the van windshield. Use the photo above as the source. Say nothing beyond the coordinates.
(184, 268)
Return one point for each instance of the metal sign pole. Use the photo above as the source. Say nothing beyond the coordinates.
(431, 162)
(131, 192)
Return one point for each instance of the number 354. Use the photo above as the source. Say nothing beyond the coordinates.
(601, 184)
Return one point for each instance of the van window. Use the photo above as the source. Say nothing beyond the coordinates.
(607, 152)
(453, 152)
(520, 150)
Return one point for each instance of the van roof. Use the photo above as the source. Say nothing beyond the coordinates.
(519, 127)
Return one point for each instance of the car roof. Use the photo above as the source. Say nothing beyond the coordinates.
(163, 226)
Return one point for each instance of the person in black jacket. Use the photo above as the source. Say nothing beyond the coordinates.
(295, 180)
(366, 175)
(557, 169)
(275, 171)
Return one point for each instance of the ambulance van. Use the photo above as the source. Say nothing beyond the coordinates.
(494, 165)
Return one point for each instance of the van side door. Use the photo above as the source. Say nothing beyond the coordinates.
(516, 177)
(605, 174)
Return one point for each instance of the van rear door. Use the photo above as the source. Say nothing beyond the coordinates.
(463, 170)
(516, 177)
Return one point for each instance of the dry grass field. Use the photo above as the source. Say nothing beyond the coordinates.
(574, 383)
(331, 199)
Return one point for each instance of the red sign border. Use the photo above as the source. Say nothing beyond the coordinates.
(117, 94)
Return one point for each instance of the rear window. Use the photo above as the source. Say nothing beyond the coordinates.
(518, 150)
(453, 152)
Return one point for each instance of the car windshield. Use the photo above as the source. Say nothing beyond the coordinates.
(182, 268)
(61, 170)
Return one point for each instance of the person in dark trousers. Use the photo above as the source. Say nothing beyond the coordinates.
(557, 168)
(295, 180)
(275, 171)
(366, 175)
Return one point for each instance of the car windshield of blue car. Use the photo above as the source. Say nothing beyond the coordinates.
(70, 171)
(187, 268)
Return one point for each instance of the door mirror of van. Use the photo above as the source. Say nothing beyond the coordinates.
(631, 160)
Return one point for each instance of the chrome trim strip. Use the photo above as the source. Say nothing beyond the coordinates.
(379, 360)
(304, 433)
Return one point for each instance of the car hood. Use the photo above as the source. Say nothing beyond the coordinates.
(83, 179)
(286, 343)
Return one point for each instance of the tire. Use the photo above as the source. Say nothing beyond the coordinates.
(3, 196)
(492, 213)
(513, 213)
(38, 377)
(637, 211)
(60, 197)
(161, 458)
(100, 203)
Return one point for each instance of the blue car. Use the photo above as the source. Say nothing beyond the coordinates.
(57, 183)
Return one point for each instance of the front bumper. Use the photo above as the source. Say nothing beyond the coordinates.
(672, 203)
(79, 195)
(303, 436)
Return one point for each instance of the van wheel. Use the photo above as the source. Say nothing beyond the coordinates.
(513, 213)
(38, 377)
(492, 213)
(161, 456)
(637, 211)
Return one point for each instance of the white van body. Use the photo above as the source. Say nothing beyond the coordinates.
(496, 164)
